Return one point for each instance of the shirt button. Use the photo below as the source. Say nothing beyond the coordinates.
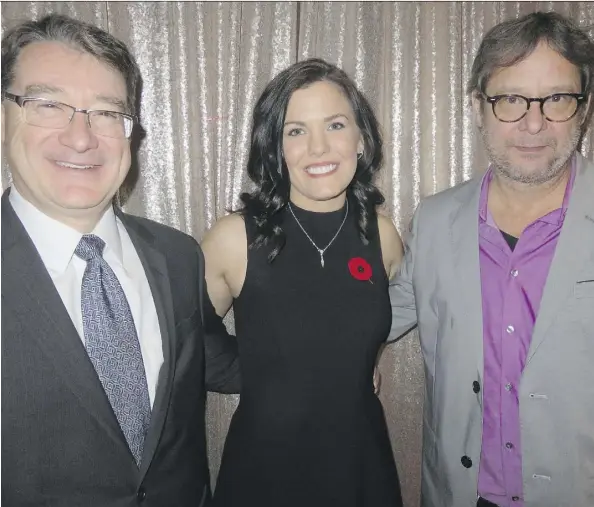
(515, 498)
(509, 445)
(508, 387)
(510, 329)
(514, 272)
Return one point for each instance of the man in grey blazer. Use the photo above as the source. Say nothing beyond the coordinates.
(499, 276)
(109, 340)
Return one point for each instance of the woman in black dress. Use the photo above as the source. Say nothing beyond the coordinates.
(305, 264)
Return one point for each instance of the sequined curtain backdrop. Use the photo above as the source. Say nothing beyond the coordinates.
(203, 66)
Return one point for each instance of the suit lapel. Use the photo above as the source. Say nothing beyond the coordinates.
(155, 268)
(465, 250)
(54, 331)
(29, 281)
(571, 252)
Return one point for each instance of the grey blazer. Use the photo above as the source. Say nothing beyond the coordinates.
(438, 288)
(61, 442)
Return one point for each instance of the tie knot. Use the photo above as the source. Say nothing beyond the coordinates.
(89, 247)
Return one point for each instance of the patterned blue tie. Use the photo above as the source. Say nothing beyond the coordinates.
(112, 343)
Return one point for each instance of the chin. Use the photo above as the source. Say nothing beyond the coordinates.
(326, 197)
(328, 193)
(534, 175)
(529, 169)
(81, 199)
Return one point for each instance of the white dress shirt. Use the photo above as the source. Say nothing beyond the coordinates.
(56, 243)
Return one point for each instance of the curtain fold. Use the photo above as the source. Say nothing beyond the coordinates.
(204, 65)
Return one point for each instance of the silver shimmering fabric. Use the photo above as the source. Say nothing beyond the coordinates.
(203, 67)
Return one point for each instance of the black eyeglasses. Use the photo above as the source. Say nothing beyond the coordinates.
(558, 107)
(57, 115)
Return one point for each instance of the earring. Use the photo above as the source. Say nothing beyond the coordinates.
(359, 155)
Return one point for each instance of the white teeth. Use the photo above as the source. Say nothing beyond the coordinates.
(73, 166)
(321, 169)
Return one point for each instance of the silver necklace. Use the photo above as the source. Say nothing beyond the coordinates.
(321, 251)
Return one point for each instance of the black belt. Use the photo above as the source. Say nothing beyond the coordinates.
(481, 502)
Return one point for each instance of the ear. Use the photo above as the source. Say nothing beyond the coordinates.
(477, 108)
(360, 145)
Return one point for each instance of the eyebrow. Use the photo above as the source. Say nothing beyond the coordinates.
(41, 88)
(327, 119)
(34, 89)
(114, 101)
(551, 91)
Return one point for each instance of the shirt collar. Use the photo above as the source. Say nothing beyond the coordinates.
(484, 212)
(555, 217)
(570, 182)
(56, 241)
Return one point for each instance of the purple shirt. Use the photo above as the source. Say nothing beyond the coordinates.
(512, 284)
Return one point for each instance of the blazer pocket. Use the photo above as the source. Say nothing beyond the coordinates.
(584, 288)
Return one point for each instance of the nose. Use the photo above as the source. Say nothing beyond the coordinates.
(534, 121)
(318, 144)
(78, 134)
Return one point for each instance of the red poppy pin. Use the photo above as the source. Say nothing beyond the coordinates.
(360, 269)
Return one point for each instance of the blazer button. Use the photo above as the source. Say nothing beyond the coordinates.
(466, 461)
(141, 495)
(476, 387)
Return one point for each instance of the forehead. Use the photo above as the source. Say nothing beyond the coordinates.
(321, 96)
(544, 70)
(57, 65)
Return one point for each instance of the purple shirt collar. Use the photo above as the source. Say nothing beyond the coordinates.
(554, 217)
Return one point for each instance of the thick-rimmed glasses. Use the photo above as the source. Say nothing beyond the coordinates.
(558, 107)
(57, 115)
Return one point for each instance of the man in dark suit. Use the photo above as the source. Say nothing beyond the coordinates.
(109, 340)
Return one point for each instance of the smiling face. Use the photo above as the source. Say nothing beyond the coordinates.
(532, 150)
(320, 144)
(70, 174)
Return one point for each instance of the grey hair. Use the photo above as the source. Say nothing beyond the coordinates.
(79, 35)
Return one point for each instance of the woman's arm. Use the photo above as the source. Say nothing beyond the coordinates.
(225, 253)
(391, 245)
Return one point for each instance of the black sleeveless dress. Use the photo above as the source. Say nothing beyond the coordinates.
(309, 430)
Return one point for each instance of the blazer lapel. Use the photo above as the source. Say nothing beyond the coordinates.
(467, 280)
(155, 268)
(571, 253)
(56, 335)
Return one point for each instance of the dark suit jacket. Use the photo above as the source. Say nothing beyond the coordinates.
(61, 442)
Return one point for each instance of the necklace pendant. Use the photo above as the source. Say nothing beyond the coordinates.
(320, 250)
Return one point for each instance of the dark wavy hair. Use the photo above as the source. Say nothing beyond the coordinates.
(76, 34)
(266, 165)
